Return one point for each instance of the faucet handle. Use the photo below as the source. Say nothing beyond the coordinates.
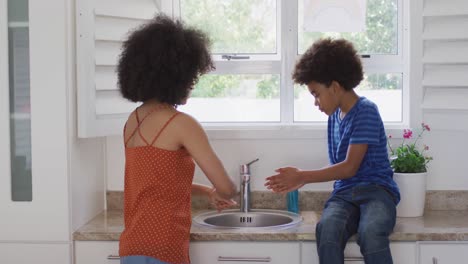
(245, 168)
(255, 160)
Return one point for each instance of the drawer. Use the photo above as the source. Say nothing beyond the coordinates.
(244, 252)
(402, 253)
(97, 252)
(443, 253)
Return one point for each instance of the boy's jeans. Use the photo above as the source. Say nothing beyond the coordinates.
(368, 210)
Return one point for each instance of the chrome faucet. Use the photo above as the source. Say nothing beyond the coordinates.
(245, 186)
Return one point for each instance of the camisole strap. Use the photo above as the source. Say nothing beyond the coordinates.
(137, 128)
(162, 129)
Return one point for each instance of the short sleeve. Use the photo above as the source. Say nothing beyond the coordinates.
(366, 126)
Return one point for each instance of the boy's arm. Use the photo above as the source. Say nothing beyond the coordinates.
(289, 179)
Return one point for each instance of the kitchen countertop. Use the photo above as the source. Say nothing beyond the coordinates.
(433, 226)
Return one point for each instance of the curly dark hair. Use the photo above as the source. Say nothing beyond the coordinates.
(162, 60)
(330, 60)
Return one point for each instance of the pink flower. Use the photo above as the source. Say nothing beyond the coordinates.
(426, 127)
(407, 133)
(389, 136)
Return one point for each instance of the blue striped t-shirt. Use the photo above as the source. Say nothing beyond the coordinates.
(361, 125)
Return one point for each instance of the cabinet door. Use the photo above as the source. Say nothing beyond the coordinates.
(443, 253)
(97, 252)
(245, 252)
(310, 255)
(43, 214)
(18, 253)
(402, 253)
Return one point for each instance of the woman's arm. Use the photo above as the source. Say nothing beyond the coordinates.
(194, 139)
(210, 192)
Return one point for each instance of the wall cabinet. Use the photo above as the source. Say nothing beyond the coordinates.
(443, 253)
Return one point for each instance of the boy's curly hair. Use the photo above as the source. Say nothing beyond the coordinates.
(162, 60)
(330, 60)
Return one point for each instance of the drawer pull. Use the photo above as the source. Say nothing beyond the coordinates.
(113, 257)
(434, 260)
(353, 259)
(245, 259)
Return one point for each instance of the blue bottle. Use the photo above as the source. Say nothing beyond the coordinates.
(293, 201)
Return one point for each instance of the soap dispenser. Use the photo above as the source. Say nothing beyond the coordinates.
(293, 201)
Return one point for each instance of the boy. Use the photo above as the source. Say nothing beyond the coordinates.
(364, 196)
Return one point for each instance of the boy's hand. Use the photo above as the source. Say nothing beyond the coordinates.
(288, 179)
(219, 202)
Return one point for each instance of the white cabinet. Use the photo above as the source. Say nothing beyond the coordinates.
(45, 217)
(309, 253)
(12, 253)
(244, 252)
(97, 252)
(402, 253)
(62, 172)
(106, 252)
(443, 253)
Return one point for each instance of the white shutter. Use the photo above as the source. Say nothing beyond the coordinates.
(445, 64)
(101, 26)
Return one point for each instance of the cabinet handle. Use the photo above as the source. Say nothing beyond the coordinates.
(434, 260)
(353, 259)
(113, 257)
(245, 259)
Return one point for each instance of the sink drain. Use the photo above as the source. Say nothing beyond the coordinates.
(246, 219)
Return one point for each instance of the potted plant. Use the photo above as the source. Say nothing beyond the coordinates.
(409, 163)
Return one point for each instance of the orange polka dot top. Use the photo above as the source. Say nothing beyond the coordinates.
(157, 201)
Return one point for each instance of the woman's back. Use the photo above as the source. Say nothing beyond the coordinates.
(158, 180)
(145, 126)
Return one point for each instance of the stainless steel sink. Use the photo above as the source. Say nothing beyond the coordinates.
(256, 218)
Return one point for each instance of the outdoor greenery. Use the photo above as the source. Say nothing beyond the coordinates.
(249, 26)
(240, 26)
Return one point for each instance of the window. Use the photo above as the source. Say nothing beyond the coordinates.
(16, 116)
(247, 48)
(256, 44)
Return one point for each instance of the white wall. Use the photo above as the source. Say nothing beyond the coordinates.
(438, 95)
(448, 170)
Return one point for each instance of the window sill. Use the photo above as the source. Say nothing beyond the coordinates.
(278, 131)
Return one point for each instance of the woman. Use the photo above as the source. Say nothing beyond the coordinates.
(159, 65)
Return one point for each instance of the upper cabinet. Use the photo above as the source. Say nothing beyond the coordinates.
(102, 26)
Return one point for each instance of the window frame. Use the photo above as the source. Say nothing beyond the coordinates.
(288, 53)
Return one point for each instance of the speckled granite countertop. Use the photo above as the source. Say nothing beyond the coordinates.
(433, 226)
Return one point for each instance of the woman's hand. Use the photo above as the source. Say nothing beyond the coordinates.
(219, 202)
(288, 179)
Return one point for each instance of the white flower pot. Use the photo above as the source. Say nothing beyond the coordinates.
(413, 193)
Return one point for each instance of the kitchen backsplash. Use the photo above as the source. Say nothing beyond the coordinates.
(312, 200)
